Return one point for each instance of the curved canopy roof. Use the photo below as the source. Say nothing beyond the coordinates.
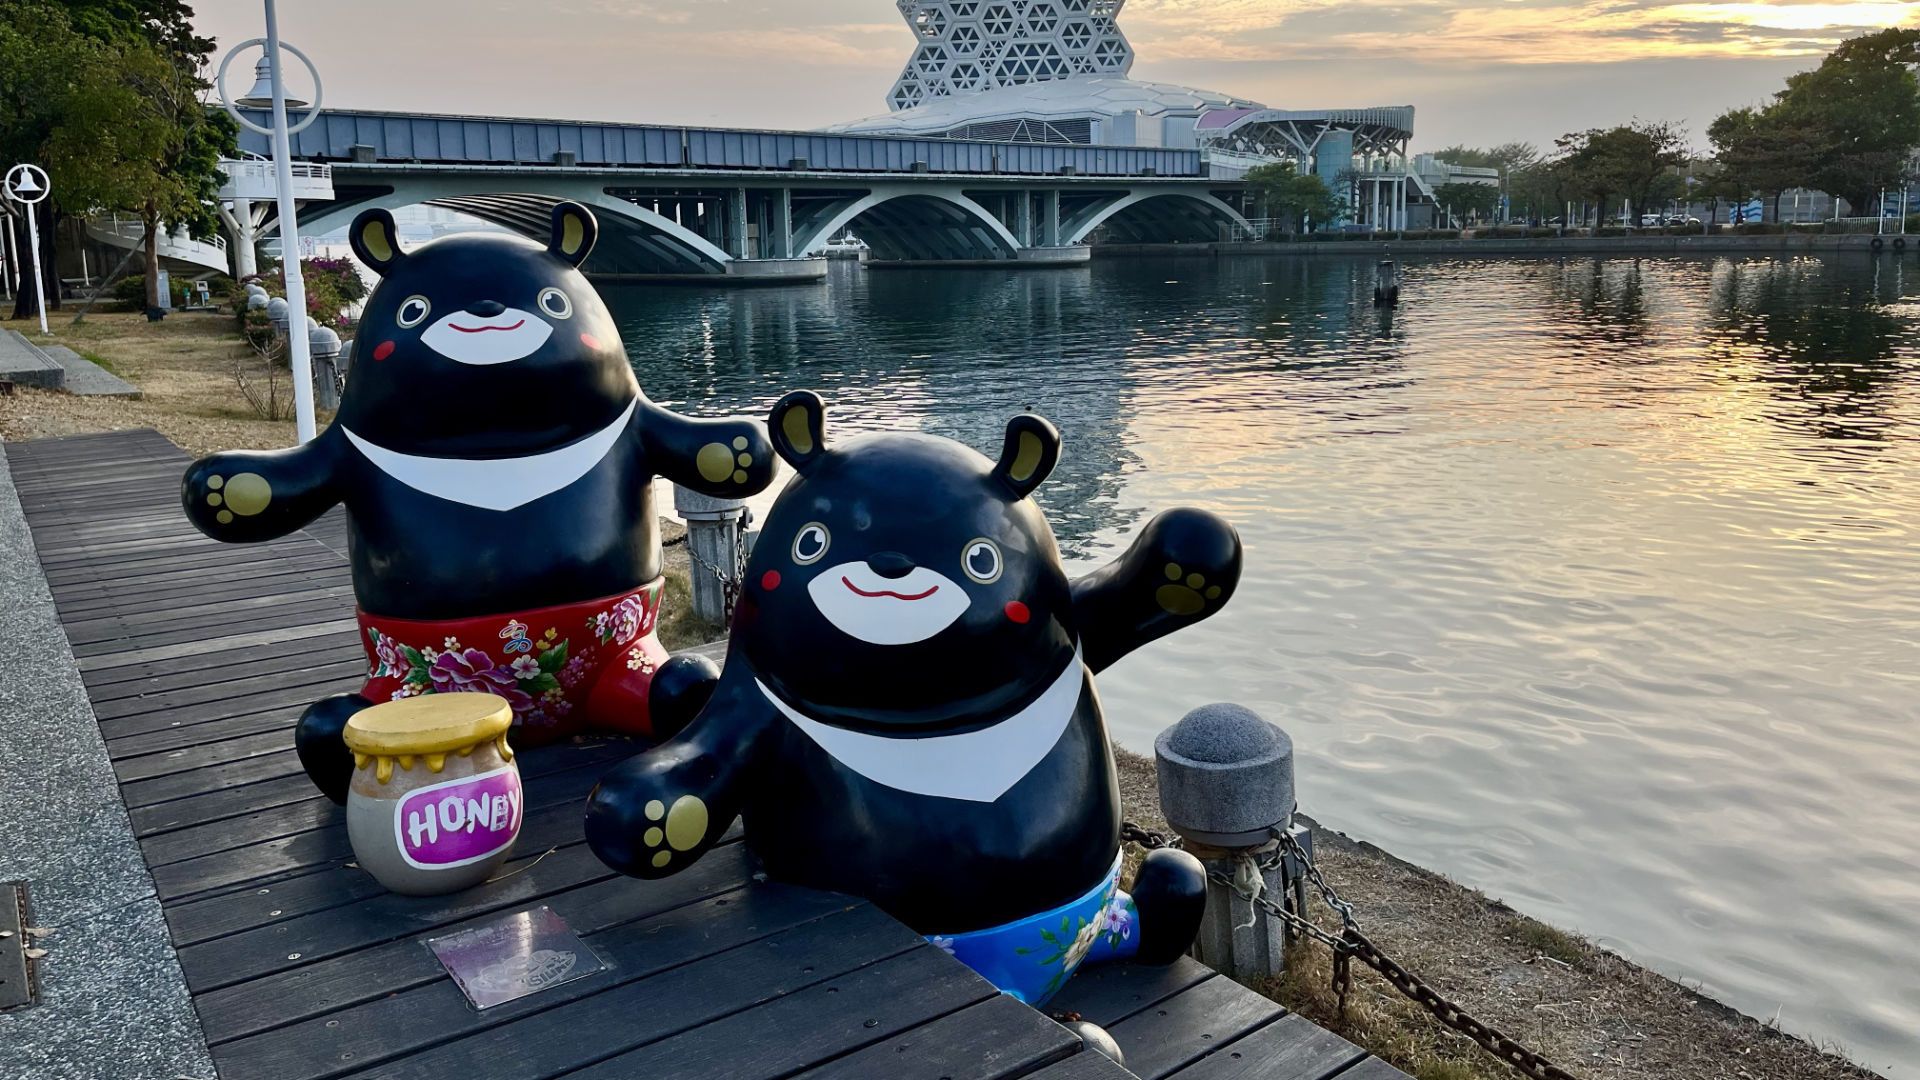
(1057, 99)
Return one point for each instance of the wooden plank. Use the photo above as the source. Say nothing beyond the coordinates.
(538, 769)
(143, 793)
(1086, 1065)
(1110, 993)
(1374, 1069)
(552, 816)
(1174, 1033)
(219, 646)
(384, 917)
(813, 957)
(810, 1024)
(385, 1028)
(177, 735)
(1290, 1048)
(396, 967)
(219, 805)
(150, 766)
(352, 669)
(219, 661)
(999, 1037)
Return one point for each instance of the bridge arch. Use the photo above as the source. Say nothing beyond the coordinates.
(912, 223)
(633, 238)
(1155, 215)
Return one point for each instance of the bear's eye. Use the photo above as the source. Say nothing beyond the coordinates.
(981, 560)
(555, 303)
(810, 543)
(413, 312)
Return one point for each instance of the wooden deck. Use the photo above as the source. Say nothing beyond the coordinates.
(198, 657)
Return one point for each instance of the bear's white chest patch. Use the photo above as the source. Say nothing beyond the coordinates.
(978, 766)
(497, 483)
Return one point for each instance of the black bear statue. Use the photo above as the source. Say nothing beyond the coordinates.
(907, 710)
(496, 458)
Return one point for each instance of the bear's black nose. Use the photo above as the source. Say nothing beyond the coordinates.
(890, 564)
(486, 309)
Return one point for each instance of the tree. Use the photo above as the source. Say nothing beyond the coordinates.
(1762, 152)
(1625, 162)
(1862, 108)
(1296, 198)
(108, 94)
(1469, 200)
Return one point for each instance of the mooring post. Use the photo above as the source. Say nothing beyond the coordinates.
(713, 546)
(324, 343)
(1386, 284)
(1226, 786)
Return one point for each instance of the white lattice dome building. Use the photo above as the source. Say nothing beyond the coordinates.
(1112, 110)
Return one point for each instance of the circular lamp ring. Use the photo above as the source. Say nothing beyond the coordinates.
(220, 84)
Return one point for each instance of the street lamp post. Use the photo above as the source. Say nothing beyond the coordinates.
(27, 185)
(298, 353)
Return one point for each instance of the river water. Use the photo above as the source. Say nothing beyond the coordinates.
(1591, 583)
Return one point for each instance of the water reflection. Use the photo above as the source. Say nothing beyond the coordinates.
(1585, 581)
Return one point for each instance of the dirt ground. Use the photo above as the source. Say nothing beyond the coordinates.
(184, 366)
(1592, 1012)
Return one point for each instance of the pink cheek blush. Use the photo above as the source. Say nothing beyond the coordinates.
(770, 580)
(383, 350)
(1018, 612)
(590, 341)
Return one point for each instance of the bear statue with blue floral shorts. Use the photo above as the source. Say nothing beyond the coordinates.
(907, 711)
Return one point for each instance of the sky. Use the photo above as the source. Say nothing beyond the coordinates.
(1478, 72)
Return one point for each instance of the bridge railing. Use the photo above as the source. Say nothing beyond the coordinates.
(374, 137)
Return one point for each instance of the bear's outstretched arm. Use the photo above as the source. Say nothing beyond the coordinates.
(657, 812)
(242, 496)
(1181, 568)
(723, 458)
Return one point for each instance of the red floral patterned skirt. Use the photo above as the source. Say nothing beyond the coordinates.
(563, 669)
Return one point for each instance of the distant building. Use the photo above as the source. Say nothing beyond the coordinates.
(1055, 71)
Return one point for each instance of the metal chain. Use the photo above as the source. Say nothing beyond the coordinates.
(1351, 944)
(731, 579)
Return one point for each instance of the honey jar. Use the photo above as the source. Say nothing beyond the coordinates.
(435, 804)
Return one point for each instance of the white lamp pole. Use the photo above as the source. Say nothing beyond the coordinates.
(290, 239)
(27, 185)
(281, 133)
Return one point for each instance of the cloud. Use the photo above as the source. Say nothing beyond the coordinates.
(1515, 32)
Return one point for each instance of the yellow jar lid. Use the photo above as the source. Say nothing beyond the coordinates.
(428, 724)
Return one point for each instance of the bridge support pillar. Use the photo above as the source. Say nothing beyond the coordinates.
(241, 227)
(782, 224)
(736, 222)
(1050, 219)
(1023, 217)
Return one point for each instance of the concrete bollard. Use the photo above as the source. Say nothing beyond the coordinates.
(324, 345)
(1226, 786)
(277, 314)
(713, 541)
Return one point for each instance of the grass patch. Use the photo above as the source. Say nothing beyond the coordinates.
(98, 361)
(679, 627)
(1378, 1019)
(1550, 941)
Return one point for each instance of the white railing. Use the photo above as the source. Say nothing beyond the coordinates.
(253, 178)
(123, 231)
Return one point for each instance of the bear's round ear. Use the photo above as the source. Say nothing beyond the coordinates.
(573, 231)
(798, 427)
(1031, 451)
(375, 240)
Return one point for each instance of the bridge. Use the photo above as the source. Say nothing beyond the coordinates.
(691, 202)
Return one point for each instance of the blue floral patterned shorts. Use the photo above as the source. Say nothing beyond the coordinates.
(1032, 958)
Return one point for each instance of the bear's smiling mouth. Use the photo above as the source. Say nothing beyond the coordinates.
(484, 329)
(889, 592)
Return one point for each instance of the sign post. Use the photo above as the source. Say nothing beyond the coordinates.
(27, 185)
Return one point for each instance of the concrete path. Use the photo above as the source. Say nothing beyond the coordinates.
(112, 1000)
(56, 367)
(22, 363)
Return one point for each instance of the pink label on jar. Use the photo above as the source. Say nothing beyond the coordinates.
(459, 821)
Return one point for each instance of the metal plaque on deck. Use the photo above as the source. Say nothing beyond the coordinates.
(514, 956)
